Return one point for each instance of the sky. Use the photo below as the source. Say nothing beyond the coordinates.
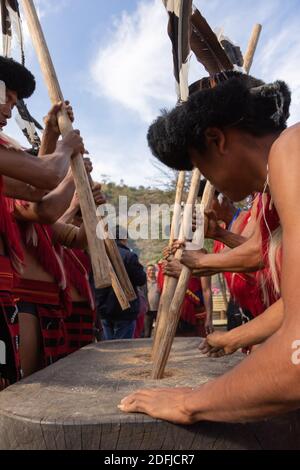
(114, 63)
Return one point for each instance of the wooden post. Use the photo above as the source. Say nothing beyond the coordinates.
(96, 246)
(164, 343)
(119, 270)
(167, 315)
(118, 289)
(169, 283)
(177, 212)
(252, 46)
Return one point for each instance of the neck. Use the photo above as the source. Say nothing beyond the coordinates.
(262, 148)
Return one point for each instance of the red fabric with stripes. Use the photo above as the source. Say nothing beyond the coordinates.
(80, 327)
(45, 296)
(244, 288)
(9, 321)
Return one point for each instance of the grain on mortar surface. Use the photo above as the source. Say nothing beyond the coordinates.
(73, 404)
(88, 385)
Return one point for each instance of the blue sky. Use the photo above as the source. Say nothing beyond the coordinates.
(113, 59)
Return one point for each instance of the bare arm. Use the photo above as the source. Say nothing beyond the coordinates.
(245, 258)
(18, 190)
(43, 174)
(52, 205)
(69, 236)
(230, 239)
(250, 334)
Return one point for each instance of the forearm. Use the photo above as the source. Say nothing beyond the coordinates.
(49, 142)
(243, 259)
(252, 390)
(18, 190)
(232, 240)
(258, 330)
(80, 241)
(44, 173)
(208, 302)
(68, 216)
(55, 204)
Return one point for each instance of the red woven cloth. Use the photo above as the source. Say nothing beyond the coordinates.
(9, 232)
(45, 296)
(244, 288)
(193, 300)
(81, 323)
(39, 238)
(9, 325)
(80, 326)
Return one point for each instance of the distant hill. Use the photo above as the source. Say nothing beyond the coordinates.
(149, 250)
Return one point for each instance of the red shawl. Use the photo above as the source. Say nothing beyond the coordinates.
(78, 267)
(9, 232)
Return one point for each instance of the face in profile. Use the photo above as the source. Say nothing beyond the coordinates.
(228, 174)
(6, 109)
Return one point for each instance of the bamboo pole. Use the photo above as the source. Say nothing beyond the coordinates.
(96, 246)
(116, 261)
(252, 46)
(168, 334)
(169, 282)
(118, 290)
(119, 269)
(167, 331)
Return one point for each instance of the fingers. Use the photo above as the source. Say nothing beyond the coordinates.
(204, 347)
(74, 141)
(137, 402)
(215, 354)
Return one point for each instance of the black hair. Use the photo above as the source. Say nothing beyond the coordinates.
(203, 184)
(16, 77)
(168, 139)
(230, 99)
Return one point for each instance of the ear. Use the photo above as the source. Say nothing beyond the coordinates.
(215, 137)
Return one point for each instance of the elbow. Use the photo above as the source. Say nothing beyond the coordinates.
(46, 217)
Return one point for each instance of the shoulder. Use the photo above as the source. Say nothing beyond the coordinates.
(288, 141)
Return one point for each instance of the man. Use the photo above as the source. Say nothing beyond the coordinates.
(18, 83)
(153, 296)
(119, 324)
(18, 173)
(236, 135)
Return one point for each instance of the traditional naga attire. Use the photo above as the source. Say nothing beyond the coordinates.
(49, 301)
(81, 323)
(10, 266)
(254, 293)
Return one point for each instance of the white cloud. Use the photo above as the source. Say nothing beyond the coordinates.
(135, 67)
(279, 59)
(133, 165)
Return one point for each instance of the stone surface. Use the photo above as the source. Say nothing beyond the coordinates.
(73, 405)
